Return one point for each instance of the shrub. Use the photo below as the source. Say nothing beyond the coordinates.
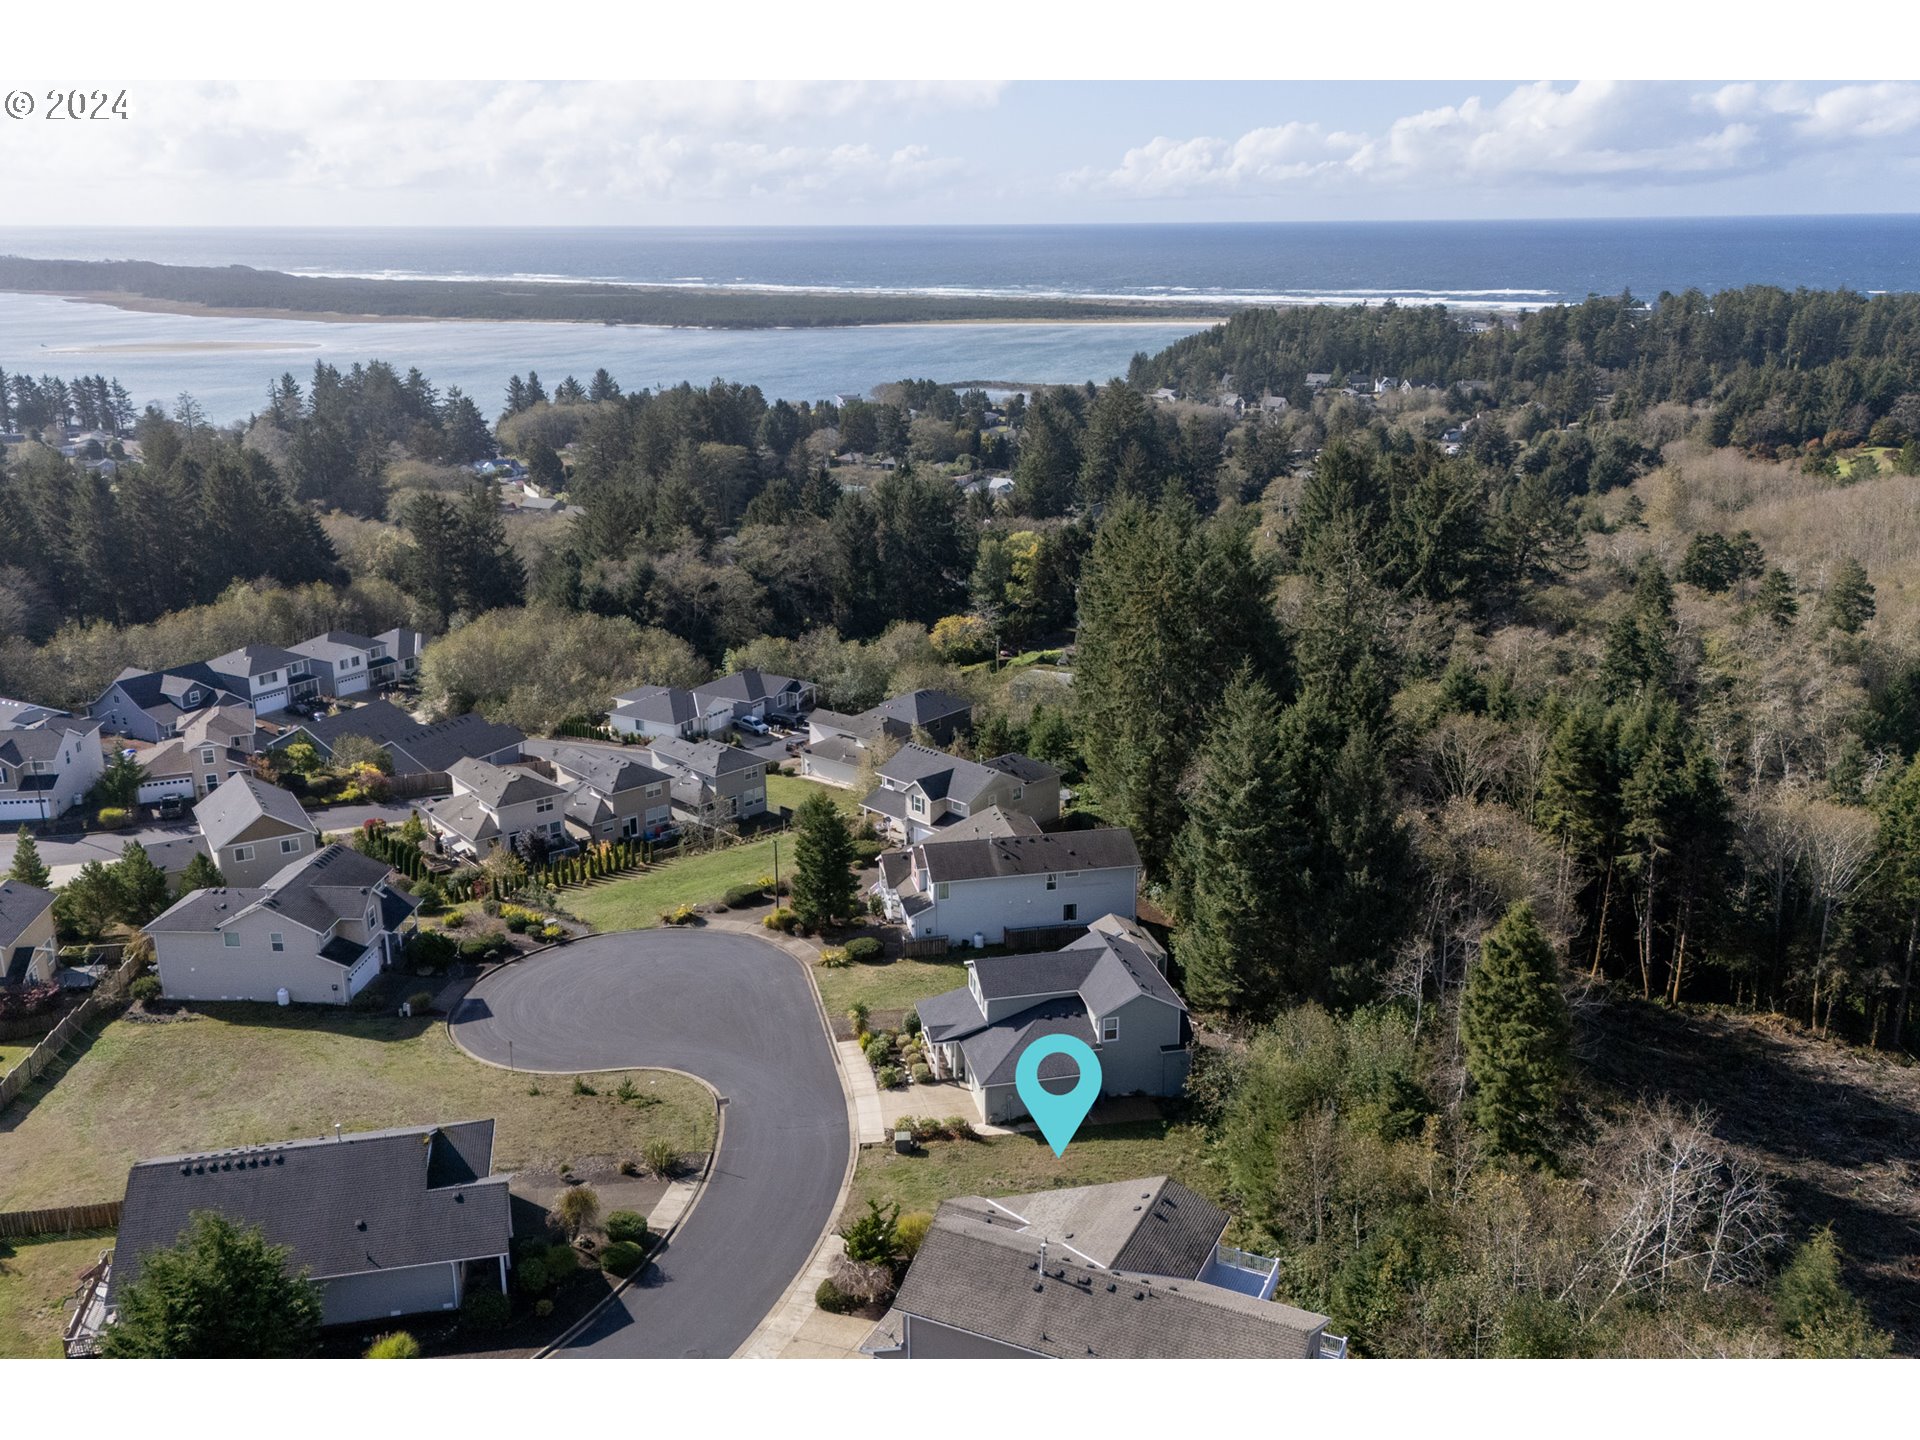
(858, 1014)
(530, 1276)
(395, 1345)
(432, 898)
(681, 915)
(583, 1086)
(484, 1311)
(958, 1126)
(865, 950)
(420, 1002)
(430, 951)
(923, 1074)
(832, 1299)
(878, 1049)
(912, 1023)
(561, 1261)
(911, 1230)
(146, 989)
(783, 920)
(889, 1077)
(455, 920)
(480, 947)
(629, 1167)
(742, 895)
(113, 817)
(865, 852)
(578, 1208)
(543, 1308)
(551, 932)
(622, 1258)
(834, 958)
(662, 1159)
(627, 1225)
(626, 1090)
(517, 924)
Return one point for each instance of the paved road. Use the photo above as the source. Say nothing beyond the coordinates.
(740, 1014)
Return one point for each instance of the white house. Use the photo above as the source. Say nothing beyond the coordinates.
(923, 790)
(265, 676)
(47, 765)
(957, 889)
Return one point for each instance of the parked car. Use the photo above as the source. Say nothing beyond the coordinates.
(752, 725)
(170, 807)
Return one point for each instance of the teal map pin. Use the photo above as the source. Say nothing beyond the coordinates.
(1058, 1116)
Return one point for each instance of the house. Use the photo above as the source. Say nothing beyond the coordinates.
(837, 743)
(922, 790)
(834, 760)
(1318, 379)
(265, 676)
(387, 1222)
(712, 782)
(657, 712)
(1131, 1270)
(1105, 988)
(497, 805)
(28, 952)
(936, 713)
(213, 745)
(403, 647)
(343, 663)
(254, 830)
(991, 823)
(315, 933)
(1273, 405)
(757, 695)
(614, 795)
(48, 763)
(152, 705)
(416, 748)
(996, 884)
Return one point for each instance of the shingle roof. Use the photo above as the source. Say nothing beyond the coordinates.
(708, 758)
(990, 823)
(20, 905)
(379, 1200)
(923, 707)
(1022, 768)
(747, 686)
(251, 660)
(1155, 1226)
(330, 885)
(980, 859)
(499, 785)
(982, 1275)
(230, 809)
(836, 750)
(432, 747)
(612, 770)
(661, 704)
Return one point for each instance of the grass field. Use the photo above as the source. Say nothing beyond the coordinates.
(893, 986)
(255, 1074)
(36, 1279)
(790, 790)
(634, 902)
(1016, 1164)
(11, 1054)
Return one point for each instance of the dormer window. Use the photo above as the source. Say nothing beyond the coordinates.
(193, 697)
(917, 804)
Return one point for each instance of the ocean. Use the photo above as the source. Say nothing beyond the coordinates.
(227, 363)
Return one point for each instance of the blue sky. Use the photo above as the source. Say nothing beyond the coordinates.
(305, 152)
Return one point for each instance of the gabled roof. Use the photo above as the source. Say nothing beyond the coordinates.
(25, 714)
(20, 905)
(989, 824)
(251, 660)
(432, 747)
(979, 1271)
(611, 770)
(379, 1200)
(165, 691)
(707, 758)
(315, 891)
(923, 707)
(1154, 1226)
(44, 741)
(402, 643)
(660, 704)
(1022, 768)
(1003, 855)
(749, 686)
(227, 811)
(497, 786)
(336, 645)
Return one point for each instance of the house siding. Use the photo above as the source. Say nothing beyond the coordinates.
(988, 907)
(39, 935)
(382, 1294)
(930, 1340)
(199, 965)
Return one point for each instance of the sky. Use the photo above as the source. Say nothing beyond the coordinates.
(295, 151)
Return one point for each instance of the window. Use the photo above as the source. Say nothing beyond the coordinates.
(241, 853)
(206, 754)
(290, 845)
(541, 807)
(940, 890)
(193, 697)
(1018, 791)
(1069, 912)
(917, 804)
(272, 677)
(1053, 882)
(212, 782)
(1109, 1028)
(277, 941)
(231, 939)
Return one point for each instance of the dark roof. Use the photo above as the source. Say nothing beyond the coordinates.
(978, 1270)
(662, 704)
(923, 707)
(747, 686)
(331, 884)
(499, 785)
(1154, 1226)
(251, 660)
(1023, 768)
(985, 824)
(610, 769)
(230, 809)
(433, 747)
(379, 1200)
(710, 758)
(1071, 850)
(166, 689)
(20, 905)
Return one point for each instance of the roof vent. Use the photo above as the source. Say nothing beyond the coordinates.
(1038, 1287)
(186, 1169)
(1111, 1287)
(279, 1159)
(1139, 1294)
(359, 1224)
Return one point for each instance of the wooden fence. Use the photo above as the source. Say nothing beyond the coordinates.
(931, 945)
(61, 1220)
(425, 782)
(105, 997)
(1035, 938)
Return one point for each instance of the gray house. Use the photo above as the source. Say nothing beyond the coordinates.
(757, 694)
(254, 830)
(993, 885)
(388, 1222)
(662, 712)
(1133, 1270)
(153, 705)
(712, 781)
(922, 791)
(316, 933)
(614, 795)
(28, 953)
(939, 713)
(1106, 988)
(47, 765)
(496, 805)
(416, 748)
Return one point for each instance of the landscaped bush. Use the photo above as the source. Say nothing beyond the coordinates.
(681, 915)
(743, 895)
(581, 1086)
(561, 1262)
(865, 950)
(832, 1299)
(662, 1159)
(530, 1276)
(958, 1126)
(396, 1345)
(113, 817)
(485, 1311)
(889, 1077)
(551, 932)
(517, 924)
(629, 1167)
(628, 1225)
(543, 1308)
(834, 959)
(622, 1258)
(455, 920)
(783, 920)
(481, 947)
(420, 1002)
(912, 1023)
(858, 1013)
(432, 898)
(923, 1074)
(431, 951)
(878, 1049)
(865, 852)
(146, 989)
(911, 1228)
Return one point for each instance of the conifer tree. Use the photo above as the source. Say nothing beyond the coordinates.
(824, 888)
(1823, 1320)
(139, 885)
(1517, 1032)
(28, 868)
(1849, 600)
(201, 874)
(221, 1293)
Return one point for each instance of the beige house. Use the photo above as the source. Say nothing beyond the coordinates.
(614, 795)
(214, 745)
(254, 830)
(315, 934)
(495, 805)
(28, 954)
(923, 791)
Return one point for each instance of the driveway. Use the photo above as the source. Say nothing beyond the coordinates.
(738, 1013)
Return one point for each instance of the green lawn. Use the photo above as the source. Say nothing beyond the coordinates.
(37, 1277)
(11, 1054)
(892, 986)
(634, 902)
(252, 1074)
(1017, 1164)
(790, 790)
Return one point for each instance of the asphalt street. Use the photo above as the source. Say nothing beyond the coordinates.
(741, 1015)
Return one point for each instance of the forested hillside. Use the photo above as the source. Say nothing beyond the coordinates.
(1486, 738)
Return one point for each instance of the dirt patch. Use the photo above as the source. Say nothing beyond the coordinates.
(1838, 1128)
(639, 1193)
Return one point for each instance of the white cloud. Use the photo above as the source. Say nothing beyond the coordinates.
(1592, 132)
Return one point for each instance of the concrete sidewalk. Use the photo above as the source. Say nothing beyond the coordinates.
(870, 1118)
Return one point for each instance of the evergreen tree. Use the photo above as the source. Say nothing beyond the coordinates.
(1241, 863)
(1775, 598)
(140, 886)
(220, 1293)
(1897, 803)
(28, 868)
(1823, 1320)
(824, 886)
(201, 874)
(87, 904)
(1517, 1032)
(1849, 599)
